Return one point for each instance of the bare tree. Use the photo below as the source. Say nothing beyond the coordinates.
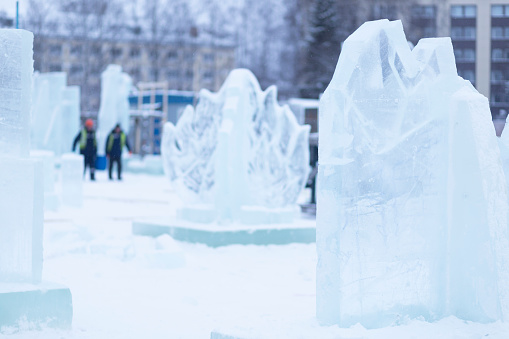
(39, 21)
(91, 27)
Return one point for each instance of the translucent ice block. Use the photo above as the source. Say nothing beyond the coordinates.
(70, 117)
(412, 215)
(16, 68)
(48, 163)
(47, 112)
(21, 221)
(72, 179)
(114, 109)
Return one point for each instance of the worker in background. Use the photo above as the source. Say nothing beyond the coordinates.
(88, 146)
(114, 146)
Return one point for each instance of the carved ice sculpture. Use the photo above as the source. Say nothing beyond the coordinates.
(412, 208)
(55, 112)
(114, 109)
(239, 154)
(21, 184)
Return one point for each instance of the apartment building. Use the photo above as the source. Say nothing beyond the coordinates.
(186, 66)
(479, 30)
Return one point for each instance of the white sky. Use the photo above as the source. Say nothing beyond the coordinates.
(9, 6)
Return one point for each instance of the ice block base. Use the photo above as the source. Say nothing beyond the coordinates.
(215, 235)
(45, 304)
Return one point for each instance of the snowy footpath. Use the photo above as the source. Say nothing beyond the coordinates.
(126, 286)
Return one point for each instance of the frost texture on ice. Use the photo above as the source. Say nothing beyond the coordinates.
(412, 212)
(238, 149)
(55, 112)
(16, 67)
(114, 108)
(21, 178)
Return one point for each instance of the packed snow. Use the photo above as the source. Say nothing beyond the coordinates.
(122, 289)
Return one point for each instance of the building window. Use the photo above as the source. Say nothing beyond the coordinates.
(55, 68)
(209, 57)
(429, 32)
(135, 73)
(499, 33)
(465, 55)
(154, 74)
(423, 12)
(500, 54)
(497, 75)
(116, 52)
(172, 73)
(208, 75)
(189, 74)
(189, 56)
(76, 50)
(172, 55)
(135, 53)
(384, 11)
(467, 74)
(76, 71)
(469, 11)
(96, 50)
(463, 33)
(55, 50)
(499, 11)
(499, 97)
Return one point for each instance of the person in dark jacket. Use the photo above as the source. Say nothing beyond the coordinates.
(88, 146)
(114, 146)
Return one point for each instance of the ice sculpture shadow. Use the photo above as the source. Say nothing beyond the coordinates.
(412, 216)
(239, 156)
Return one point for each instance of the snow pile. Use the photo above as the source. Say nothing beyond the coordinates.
(412, 212)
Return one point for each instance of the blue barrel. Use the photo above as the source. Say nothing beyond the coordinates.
(100, 163)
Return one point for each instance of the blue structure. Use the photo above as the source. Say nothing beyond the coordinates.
(177, 101)
(147, 116)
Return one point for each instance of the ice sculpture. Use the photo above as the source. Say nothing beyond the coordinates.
(71, 113)
(55, 112)
(114, 109)
(412, 212)
(51, 200)
(21, 184)
(239, 155)
(72, 179)
(24, 298)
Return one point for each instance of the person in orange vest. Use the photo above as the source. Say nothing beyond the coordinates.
(114, 146)
(88, 146)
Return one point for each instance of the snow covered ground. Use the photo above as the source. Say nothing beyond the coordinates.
(126, 286)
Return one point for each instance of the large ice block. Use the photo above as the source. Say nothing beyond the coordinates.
(21, 221)
(72, 179)
(412, 208)
(47, 111)
(71, 113)
(238, 149)
(114, 108)
(51, 200)
(23, 297)
(16, 68)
